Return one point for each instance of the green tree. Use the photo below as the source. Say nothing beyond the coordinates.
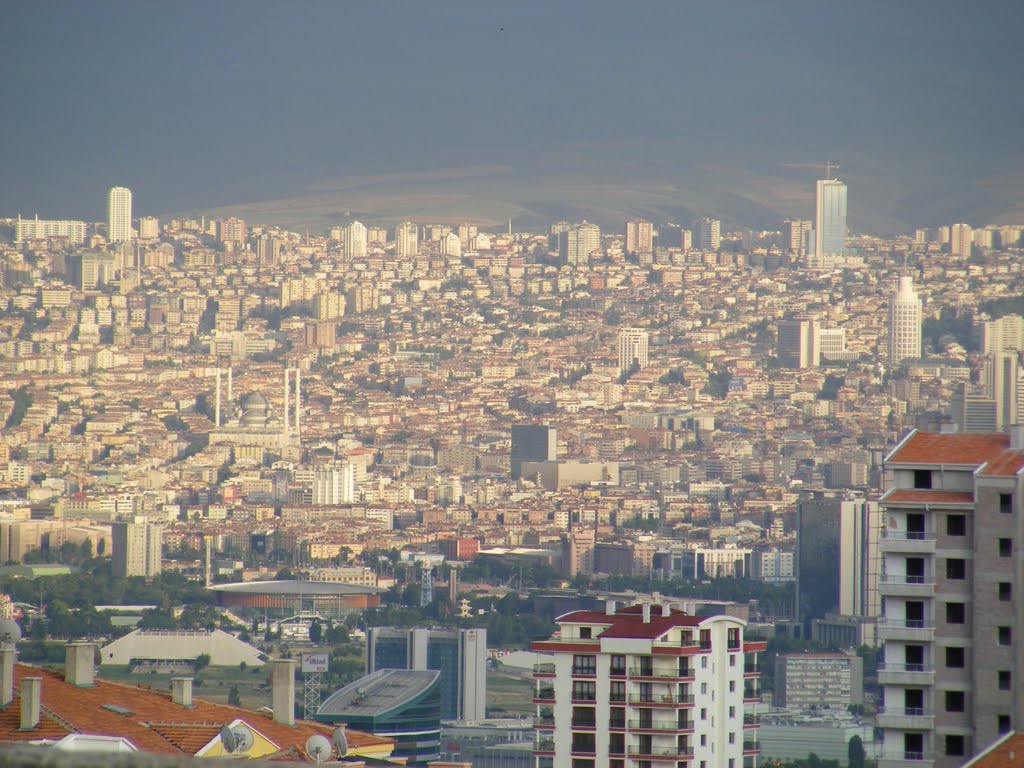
(316, 631)
(234, 697)
(202, 661)
(855, 753)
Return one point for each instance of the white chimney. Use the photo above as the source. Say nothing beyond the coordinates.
(609, 607)
(31, 696)
(1017, 437)
(181, 691)
(79, 661)
(666, 609)
(282, 684)
(7, 659)
(647, 613)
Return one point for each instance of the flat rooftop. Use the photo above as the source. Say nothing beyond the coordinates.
(378, 693)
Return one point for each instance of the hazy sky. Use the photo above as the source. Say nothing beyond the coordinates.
(669, 109)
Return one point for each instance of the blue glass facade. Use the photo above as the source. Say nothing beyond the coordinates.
(830, 218)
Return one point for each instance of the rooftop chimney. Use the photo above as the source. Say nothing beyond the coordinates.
(7, 657)
(31, 695)
(181, 691)
(1017, 437)
(282, 683)
(79, 659)
(647, 613)
(666, 609)
(609, 607)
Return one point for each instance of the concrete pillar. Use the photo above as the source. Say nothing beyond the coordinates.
(31, 700)
(282, 684)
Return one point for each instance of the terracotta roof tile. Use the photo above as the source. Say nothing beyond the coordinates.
(1007, 465)
(155, 723)
(918, 496)
(1008, 752)
(968, 448)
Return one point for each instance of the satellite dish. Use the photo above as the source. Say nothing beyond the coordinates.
(340, 742)
(228, 740)
(10, 632)
(237, 739)
(318, 746)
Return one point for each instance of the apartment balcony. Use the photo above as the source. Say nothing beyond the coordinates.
(901, 585)
(751, 721)
(660, 753)
(914, 630)
(544, 722)
(905, 718)
(751, 747)
(751, 669)
(907, 542)
(544, 747)
(667, 674)
(584, 725)
(660, 700)
(892, 673)
(906, 759)
(544, 670)
(664, 726)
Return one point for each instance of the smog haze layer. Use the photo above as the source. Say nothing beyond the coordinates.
(300, 114)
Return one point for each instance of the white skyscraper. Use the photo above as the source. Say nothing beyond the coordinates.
(119, 215)
(451, 245)
(904, 322)
(961, 237)
(406, 239)
(830, 219)
(632, 349)
(355, 240)
(709, 234)
(581, 241)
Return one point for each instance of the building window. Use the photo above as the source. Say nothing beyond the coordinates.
(955, 657)
(618, 666)
(705, 639)
(955, 745)
(703, 688)
(954, 701)
(956, 568)
(733, 640)
(585, 633)
(703, 662)
(1006, 503)
(732, 762)
(732, 660)
(956, 525)
(1005, 680)
(1004, 636)
(583, 717)
(1003, 723)
(617, 717)
(617, 743)
(703, 714)
(584, 691)
(732, 738)
(955, 613)
(584, 742)
(618, 691)
(732, 686)
(922, 478)
(732, 711)
(579, 763)
(616, 763)
(1006, 547)
(584, 665)
(1005, 591)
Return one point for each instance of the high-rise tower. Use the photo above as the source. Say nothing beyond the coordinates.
(632, 349)
(119, 215)
(830, 219)
(639, 236)
(904, 322)
(406, 239)
(709, 234)
(355, 240)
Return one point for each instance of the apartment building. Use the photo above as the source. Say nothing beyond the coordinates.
(952, 660)
(647, 686)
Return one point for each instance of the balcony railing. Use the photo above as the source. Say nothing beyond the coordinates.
(751, 719)
(905, 755)
(544, 720)
(751, 668)
(580, 696)
(663, 672)
(583, 723)
(547, 694)
(893, 666)
(584, 671)
(905, 711)
(660, 752)
(661, 725)
(544, 669)
(657, 698)
(898, 535)
(544, 745)
(750, 746)
(903, 578)
(894, 621)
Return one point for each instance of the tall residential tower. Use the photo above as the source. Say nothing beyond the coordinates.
(904, 322)
(830, 219)
(119, 215)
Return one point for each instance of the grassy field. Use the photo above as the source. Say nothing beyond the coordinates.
(508, 695)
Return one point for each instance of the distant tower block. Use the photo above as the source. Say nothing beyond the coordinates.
(904, 322)
(427, 585)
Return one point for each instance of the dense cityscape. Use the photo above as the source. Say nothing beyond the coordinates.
(463, 489)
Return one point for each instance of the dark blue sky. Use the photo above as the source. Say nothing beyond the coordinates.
(196, 105)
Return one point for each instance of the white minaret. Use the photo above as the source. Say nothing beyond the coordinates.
(298, 401)
(904, 322)
(119, 215)
(287, 380)
(216, 419)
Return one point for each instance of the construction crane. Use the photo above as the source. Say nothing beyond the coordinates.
(830, 167)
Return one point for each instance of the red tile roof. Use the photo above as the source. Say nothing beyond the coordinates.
(918, 496)
(966, 448)
(1008, 752)
(628, 622)
(1007, 465)
(155, 723)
